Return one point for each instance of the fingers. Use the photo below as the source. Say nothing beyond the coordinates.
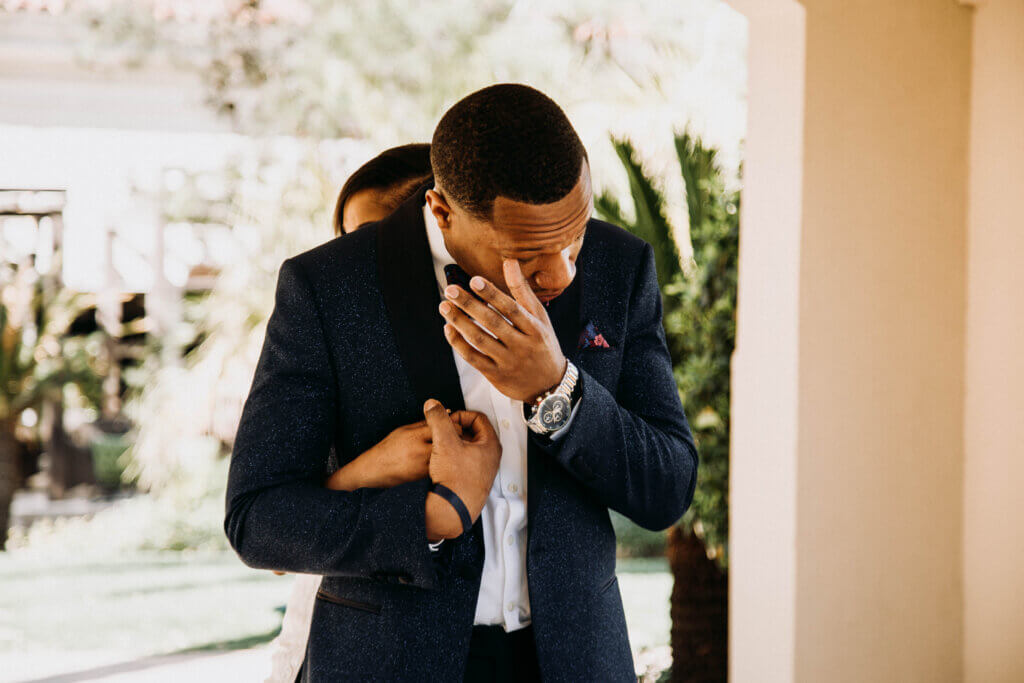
(475, 425)
(442, 431)
(421, 430)
(520, 288)
(471, 332)
(506, 305)
(497, 320)
(481, 362)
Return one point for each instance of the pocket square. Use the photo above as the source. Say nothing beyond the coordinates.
(590, 337)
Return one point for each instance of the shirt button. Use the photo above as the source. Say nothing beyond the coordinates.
(513, 488)
(510, 606)
(504, 423)
(511, 540)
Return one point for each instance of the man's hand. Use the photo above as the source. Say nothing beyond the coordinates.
(466, 463)
(523, 359)
(400, 457)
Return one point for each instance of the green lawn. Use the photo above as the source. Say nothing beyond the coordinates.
(145, 604)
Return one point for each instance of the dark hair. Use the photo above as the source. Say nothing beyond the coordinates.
(395, 172)
(507, 140)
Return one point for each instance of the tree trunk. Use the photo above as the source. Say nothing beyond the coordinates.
(700, 595)
(10, 475)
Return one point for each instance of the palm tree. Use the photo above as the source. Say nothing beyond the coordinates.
(699, 317)
(36, 363)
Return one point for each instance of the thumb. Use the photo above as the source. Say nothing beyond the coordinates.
(441, 429)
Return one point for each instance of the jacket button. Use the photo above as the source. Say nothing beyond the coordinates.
(404, 578)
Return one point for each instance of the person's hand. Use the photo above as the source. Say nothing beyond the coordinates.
(465, 462)
(399, 457)
(523, 359)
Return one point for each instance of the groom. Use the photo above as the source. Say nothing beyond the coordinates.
(493, 294)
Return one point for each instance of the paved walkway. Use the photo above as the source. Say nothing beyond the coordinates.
(245, 665)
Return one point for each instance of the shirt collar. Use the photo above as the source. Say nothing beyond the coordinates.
(438, 251)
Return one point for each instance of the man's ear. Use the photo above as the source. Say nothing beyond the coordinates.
(440, 208)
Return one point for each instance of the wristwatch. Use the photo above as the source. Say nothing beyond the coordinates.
(551, 411)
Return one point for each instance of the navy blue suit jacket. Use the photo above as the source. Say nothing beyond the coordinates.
(353, 349)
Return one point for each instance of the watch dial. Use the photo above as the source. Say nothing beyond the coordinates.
(554, 412)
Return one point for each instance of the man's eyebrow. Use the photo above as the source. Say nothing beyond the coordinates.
(531, 250)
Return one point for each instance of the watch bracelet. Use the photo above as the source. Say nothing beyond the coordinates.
(530, 409)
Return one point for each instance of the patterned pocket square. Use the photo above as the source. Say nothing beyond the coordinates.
(590, 337)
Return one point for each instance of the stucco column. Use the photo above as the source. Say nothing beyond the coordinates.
(847, 498)
(994, 411)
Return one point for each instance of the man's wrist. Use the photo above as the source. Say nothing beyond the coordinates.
(442, 521)
(536, 397)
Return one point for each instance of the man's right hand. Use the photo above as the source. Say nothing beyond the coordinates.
(466, 463)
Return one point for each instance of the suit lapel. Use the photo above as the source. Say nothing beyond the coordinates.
(565, 313)
(409, 288)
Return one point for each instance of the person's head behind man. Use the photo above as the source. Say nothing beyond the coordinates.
(377, 187)
(511, 180)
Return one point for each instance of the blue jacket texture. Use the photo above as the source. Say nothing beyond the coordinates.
(353, 349)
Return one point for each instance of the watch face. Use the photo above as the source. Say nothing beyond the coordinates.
(554, 412)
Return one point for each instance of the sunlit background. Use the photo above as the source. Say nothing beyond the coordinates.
(158, 161)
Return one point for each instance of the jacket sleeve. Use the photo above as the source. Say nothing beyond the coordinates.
(634, 449)
(278, 513)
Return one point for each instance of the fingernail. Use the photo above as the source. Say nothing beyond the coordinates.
(445, 307)
(477, 283)
(451, 291)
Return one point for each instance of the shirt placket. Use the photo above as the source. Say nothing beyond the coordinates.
(511, 490)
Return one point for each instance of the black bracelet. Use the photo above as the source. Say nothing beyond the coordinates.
(460, 507)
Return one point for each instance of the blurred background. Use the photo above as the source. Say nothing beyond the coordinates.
(846, 340)
(160, 160)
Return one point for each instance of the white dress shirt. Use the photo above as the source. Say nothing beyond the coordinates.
(504, 598)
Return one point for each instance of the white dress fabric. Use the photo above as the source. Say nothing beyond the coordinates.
(289, 648)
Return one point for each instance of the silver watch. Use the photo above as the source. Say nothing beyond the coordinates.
(552, 410)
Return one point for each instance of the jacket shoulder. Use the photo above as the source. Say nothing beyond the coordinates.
(348, 257)
(613, 247)
(610, 236)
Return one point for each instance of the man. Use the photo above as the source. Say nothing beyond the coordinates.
(501, 564)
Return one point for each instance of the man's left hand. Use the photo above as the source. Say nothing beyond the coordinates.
(523, 359)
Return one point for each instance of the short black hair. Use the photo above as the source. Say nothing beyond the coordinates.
(396, 173)
(507, 140)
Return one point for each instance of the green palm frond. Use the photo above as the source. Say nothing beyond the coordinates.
(699, 311)
(650, 222)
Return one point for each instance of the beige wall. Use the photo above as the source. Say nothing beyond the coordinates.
(763, 467)
(994, 410)
(882, 304)
(867, 456)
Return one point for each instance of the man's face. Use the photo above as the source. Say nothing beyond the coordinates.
(544, 238)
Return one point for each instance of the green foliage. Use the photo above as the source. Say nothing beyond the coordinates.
(649, 216)
(107, 461)
(699, 312)
(37, 360)
(632, 540)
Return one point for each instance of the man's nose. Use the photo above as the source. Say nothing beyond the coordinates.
(556, 272)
